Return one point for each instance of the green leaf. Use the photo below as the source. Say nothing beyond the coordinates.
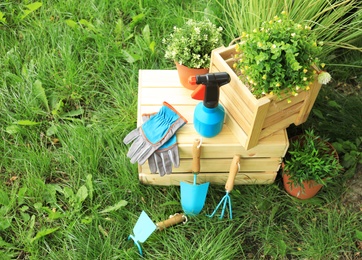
(4, 223)
(72, 113)
(282, 247)
(82, 194)
(4, 198)
(88, 24)
(170, 203)
(12, 129)
(26, 122)
(131, 58)
(137, 18)
(43, 233)
(146, 33)
(40, 94)
(334, 104)
(119, 27)
(71, 23)
(21, 195)
(318, 113)
(31, 8)
(359, 235)
(2, 18)
(89, 184)
(152, 46)
(68, 192)
(52, 130)
(116, 206)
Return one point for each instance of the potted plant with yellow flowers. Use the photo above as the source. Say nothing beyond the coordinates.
(190, 48)
(275, 78)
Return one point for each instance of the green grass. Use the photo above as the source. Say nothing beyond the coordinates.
(68, 96)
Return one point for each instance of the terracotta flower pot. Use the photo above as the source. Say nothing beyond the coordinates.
(307, 191)
(185, 72)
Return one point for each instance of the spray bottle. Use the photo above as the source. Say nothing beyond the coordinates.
(209, 115)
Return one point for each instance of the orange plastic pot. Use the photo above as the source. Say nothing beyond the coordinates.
(185, 73)
(308, 189)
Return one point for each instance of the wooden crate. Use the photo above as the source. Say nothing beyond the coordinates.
(252, 119)
(259, 165)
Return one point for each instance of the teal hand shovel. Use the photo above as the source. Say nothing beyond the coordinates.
(145, 227)
(193, 196)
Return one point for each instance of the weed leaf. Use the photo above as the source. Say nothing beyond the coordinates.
(4, 198)
(43, 233)
(12, 129)
(359, 235)
(82, 194)
(89, 184)
(40, 94)
(152, 46)
(26, 122)
(116, 206)
(31, 8)
(71, 23)
(72, 113)
(2, 18)
(131, 58)
(52, 130)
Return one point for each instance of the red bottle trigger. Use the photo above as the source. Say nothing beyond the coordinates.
(199, 92)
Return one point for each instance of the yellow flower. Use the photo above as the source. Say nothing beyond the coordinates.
(271, 93)
(278, 84)
(305, 71)
(260, 44)
(264, 76)
(297, 88)
(307, 88)
(304, 78)
(289, 101)
(323, 65)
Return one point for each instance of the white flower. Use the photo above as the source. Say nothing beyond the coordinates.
(324, 77)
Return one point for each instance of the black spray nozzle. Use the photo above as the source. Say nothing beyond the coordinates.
(212, 81)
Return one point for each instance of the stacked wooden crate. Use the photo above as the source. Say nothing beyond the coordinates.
(258, 165)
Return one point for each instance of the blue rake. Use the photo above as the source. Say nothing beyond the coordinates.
(225, 200)
(234, 168)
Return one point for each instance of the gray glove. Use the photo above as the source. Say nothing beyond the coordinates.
(161, 161)
(152, 134)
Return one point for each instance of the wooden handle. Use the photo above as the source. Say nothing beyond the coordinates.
(234, 168)
(196, 151)
(175, 219)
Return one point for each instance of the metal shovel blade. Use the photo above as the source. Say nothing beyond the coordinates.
(144, 228)
(193, 197)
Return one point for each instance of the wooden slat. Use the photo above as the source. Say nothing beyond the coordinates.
(274, 119)
(164, 78)
(213, 178)
(257, 124)
(221, 165)
(309, 102)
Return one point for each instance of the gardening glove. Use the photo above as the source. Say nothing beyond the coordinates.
(152, 134)
(161, 160)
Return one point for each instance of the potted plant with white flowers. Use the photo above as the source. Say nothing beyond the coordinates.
(190, 48)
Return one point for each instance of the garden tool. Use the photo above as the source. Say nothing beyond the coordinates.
(209, 114)
(193, 196)
(153, 133)
(145, 227)
(163, 158)
(234, 168)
